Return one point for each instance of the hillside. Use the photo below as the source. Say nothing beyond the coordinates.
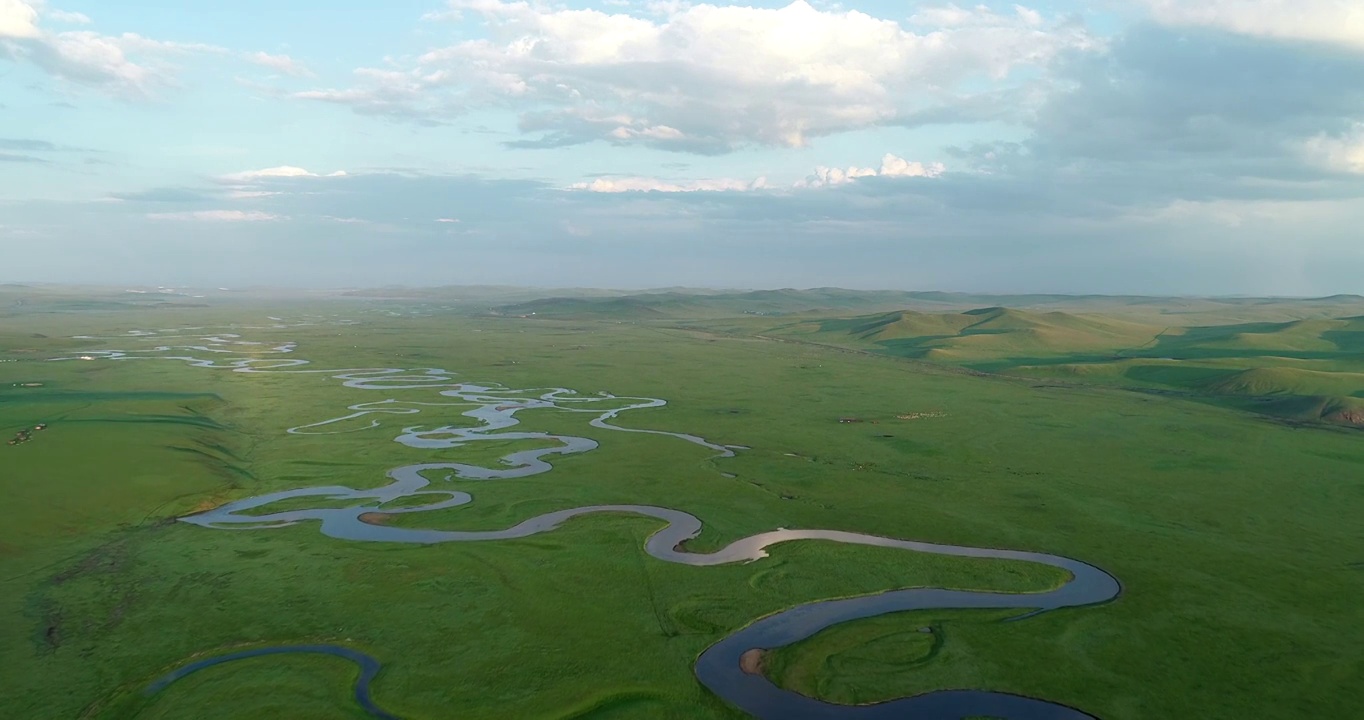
(1303, 370)
(981, 333)
(696, 304)
(690, 305)
(1290, 381)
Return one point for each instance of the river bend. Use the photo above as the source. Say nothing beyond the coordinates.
(494, 407)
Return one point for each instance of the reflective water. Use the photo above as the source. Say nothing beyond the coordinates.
(494, 410)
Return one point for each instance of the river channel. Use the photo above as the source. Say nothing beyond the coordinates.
(494, 408)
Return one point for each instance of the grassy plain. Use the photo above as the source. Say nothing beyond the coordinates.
(1237, 538)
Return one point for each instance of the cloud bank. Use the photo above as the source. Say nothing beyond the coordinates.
(709, 78)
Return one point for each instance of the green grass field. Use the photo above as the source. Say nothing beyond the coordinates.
(1236, 534)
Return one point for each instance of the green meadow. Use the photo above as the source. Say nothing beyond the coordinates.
(1205, 455)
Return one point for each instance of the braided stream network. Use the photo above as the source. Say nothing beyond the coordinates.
(718, 668)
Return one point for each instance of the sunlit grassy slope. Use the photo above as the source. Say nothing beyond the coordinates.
(984, 332)
(1303, 370)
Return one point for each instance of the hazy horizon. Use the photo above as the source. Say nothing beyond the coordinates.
(644, 289)
(1139, 147)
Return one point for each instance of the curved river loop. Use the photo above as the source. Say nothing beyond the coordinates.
(494, 407)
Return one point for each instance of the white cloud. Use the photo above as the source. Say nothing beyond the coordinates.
(1339, 152)
(18, 19)
(283, 171)
(279, 63)
(73, 18)
(127, 65)
(88, 58)
(1333, 21)
(83, 57)
(446, 220)
(404, 95)
(646, 184)
(216, 216)
(706, 78)
(953, 16)
(891, 166)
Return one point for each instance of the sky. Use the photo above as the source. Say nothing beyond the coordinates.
(1213, 147)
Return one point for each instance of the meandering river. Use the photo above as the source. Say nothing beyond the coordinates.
(494, 408)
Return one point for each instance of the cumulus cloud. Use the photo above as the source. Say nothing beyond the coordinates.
(412, 96)
(283, 171)
(128, 65)
(279, 63)
(83, 57)
(216, 216)
(1344, 152)
(1166, 114)
(708, 78)
(1332, 21)
(646, 184)
(891, 166)
(18, 19)
(72, 18)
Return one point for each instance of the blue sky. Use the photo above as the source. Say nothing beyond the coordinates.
(1125, 146)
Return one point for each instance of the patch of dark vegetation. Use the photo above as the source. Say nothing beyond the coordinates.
(107, 569)
(94, 593)
(48, 628)
(231, 472)
(77, 396)
(109, 559)
(219, 448)
(913, 447)
(198, 581)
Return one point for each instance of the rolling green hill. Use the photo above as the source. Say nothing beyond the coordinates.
(1302, 370)
(1290, 381)
(690, 305)
(979, 334)
(694, 304)
(1295, 338)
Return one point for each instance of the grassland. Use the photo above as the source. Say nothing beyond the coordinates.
(1304, 371)
(1237, 538)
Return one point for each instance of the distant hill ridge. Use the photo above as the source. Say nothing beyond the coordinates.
(990, 330)
(684, 303)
